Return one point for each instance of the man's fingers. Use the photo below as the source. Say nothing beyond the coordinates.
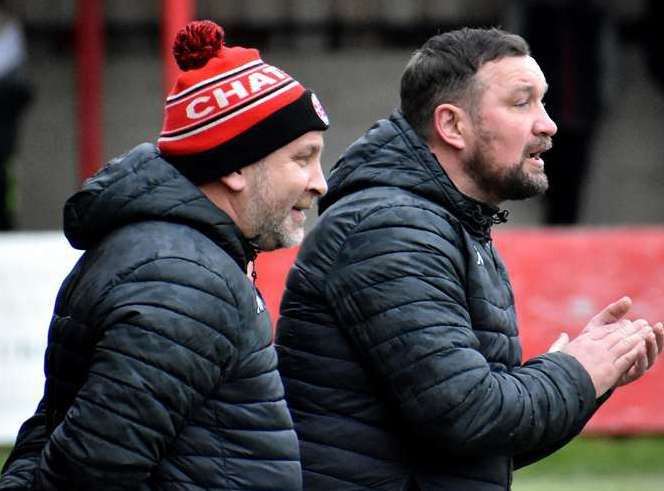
(651, 348)
(559, 343)
(654, 341)
(629, 356)
(616, 353)
(614, 331)
(620, 344)
(635, 372)
(611, 313)
(658, 330)
(640, 367)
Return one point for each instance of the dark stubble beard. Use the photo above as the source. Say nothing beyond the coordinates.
(511, 183)
(270, 233)
(269, 221)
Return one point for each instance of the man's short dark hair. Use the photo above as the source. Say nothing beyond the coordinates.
(443, 70)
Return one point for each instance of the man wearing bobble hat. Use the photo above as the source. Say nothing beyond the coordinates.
(160, 373)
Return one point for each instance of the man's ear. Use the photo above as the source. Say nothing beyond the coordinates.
(449, 122)
(235, 181)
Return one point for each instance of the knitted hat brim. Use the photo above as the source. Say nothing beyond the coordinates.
(272, 133)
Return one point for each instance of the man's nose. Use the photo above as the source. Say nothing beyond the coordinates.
(544, 125)
(317, 182)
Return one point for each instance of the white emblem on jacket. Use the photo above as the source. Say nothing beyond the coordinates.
(480, 261)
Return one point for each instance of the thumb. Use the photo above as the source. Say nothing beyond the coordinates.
(611, 313)
(559, 343)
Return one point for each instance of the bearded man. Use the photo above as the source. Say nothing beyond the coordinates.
(160, 368)
(398, 342)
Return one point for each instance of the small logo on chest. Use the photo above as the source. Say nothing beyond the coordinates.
(480, 261)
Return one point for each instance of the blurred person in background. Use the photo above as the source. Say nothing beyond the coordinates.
(160, 369)
(653, 17)
(398, 342)
(15, 94)
(571, 41)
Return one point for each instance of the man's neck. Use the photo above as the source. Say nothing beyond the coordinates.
(453, 166)
(219, 196)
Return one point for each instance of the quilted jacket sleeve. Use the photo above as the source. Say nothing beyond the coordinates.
(397, 289)
(20, 465)
(530, 457)
(165, 342)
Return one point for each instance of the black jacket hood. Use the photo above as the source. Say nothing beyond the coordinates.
(142, 186)
(390, 153)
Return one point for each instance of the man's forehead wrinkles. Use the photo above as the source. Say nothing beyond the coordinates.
(519, 84)
(529, 88)
(507, 70)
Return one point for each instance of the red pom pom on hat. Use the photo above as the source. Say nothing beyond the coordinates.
(196, 43)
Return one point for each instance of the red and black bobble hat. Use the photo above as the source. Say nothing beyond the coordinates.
(228, 108)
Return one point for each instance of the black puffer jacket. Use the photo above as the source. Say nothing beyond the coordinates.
(398, 342)
(160, 369)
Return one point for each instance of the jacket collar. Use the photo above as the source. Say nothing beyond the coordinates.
(142, 186)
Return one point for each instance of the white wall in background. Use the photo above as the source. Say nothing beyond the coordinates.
(32, 266)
